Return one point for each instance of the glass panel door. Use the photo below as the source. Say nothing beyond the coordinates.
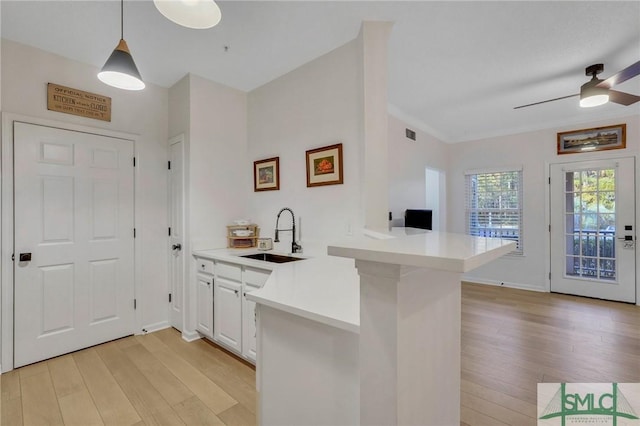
(592, 231)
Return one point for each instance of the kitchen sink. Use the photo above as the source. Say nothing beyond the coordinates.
(271, 257)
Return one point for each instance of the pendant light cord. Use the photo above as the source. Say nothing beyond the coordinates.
(121, 19)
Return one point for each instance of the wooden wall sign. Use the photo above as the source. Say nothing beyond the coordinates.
(78, 102)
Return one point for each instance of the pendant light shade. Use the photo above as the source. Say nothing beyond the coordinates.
(197, 14)
(120, 70)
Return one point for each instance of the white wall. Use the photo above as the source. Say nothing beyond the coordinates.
(534, 151)
(407, 162)
(213, 120)
(219, 173)
(316, 105)
(25, 74)
(374, 37)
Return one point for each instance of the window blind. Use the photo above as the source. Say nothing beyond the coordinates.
(494, 205)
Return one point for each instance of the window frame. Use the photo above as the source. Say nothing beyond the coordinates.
(517, 212)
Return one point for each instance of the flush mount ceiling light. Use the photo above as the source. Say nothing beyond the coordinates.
(197, 14)
(120, 70)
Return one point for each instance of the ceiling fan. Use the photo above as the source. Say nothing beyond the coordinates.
(597, 92)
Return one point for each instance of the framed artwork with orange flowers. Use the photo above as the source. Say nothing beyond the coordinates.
(324, 166)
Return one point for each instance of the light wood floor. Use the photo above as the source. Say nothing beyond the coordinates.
(511, 340)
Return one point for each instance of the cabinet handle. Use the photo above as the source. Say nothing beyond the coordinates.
(203, 266)
(236, 292)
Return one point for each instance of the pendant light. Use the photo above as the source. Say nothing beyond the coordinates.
(120, 70)
(197, 14)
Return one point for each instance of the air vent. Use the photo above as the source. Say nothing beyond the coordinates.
(410, 134)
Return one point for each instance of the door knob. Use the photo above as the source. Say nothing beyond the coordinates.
(177, 247)
(25, 257)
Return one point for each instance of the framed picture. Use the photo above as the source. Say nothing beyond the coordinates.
(596, 139)
(324, 166)
(266, 174)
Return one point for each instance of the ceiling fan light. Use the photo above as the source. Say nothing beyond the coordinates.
(594, 100)
(120, 70)
(197, 14)
(592, 96)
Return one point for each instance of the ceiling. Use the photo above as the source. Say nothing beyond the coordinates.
(456, 69)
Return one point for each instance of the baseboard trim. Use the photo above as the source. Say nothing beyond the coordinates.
(518, 286)
(190, 336)
(154, 327)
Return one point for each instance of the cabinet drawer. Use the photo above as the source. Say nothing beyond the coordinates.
(229, 271)
(205, 265)
(255, 277)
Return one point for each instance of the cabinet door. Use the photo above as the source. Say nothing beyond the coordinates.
(204, 307)
(228, 314)
(248, 324)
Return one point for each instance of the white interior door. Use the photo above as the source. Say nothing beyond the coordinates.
(176, 238)
(593, 229)
(74, 196)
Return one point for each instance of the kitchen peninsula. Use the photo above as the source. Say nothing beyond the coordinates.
(383, 348)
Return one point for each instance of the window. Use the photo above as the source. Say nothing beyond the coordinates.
(494, 205)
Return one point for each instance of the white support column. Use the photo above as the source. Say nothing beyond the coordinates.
(409, 345)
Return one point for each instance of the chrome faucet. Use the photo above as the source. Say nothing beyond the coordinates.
(295, 247)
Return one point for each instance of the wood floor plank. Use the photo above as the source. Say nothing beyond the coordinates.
(146, 400)
(113, 405)
(238, 415)
(503, 399)
(209, 363)
(11, 399)
(40, 404)
(475, 418)
(78, 409)
(194, 412)
(497, 411)
(65, 375)
(169, 386)
(210, 393)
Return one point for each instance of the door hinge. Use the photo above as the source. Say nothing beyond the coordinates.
(549, 181)
(169, 165)
(549, 275)
(169, 297)
(134, 161)
(549, 228)
(135, 304)
(134, 232)
(169, 231)
(13, 257)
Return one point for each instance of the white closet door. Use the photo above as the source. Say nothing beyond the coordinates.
(74, 199)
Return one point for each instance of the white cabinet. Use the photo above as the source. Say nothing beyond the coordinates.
(228, 313)
(204, 307)
(248, 324)
(224, 314)
(252, 279)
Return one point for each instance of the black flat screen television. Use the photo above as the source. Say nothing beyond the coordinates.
(418, 218)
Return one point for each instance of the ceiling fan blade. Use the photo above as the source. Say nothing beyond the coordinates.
(622, 98)
(624, 75)
(548, 100)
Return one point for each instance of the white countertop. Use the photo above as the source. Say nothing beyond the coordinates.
(327, 288)
(426, 249)
(322, 288)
